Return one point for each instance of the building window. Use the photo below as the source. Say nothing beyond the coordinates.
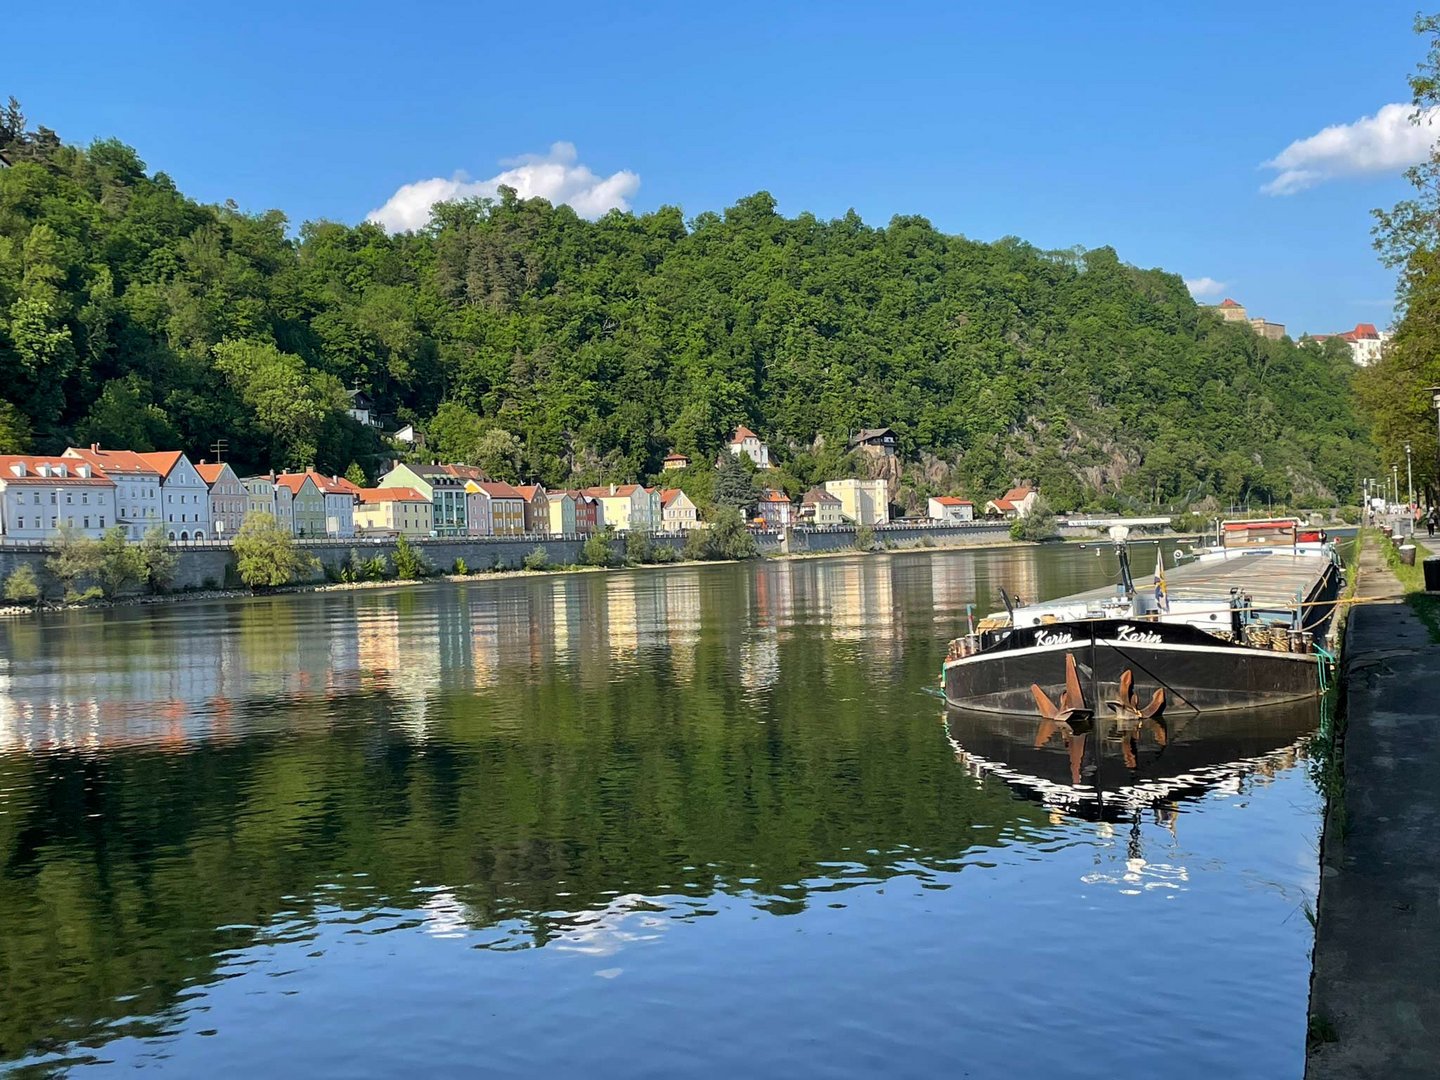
(87, 521)
(69, 497)
(36, 499)
(20, 523)
(102, 521)
(85, 497)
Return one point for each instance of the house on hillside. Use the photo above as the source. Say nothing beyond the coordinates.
(677, 512)
(674, 460)
(1015, 503)
(40, 495)
(361, 408)
(137, 486)
(862, 502)
(184, 495)
(950, 510)
(393, 511)
(745, 441)
(229, 501)
(878, 441)
(819, 507)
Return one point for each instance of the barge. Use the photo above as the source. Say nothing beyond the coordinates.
(1239, 625)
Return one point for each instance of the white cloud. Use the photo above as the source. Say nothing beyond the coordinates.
(557, 176)
(1389, 141)
(1204, 286)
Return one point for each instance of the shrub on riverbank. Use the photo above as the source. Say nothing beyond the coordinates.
(726, 538)
(538, 559)
(1038, 524)
(409, 563)
(23, 587)
(266, 555)
(597, 550)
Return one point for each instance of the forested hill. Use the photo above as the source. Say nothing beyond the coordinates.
(539, 344)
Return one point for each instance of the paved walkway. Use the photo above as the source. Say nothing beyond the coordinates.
(1376, 985)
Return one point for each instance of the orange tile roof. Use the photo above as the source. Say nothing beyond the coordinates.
(162, 461)
(1015, 494)
(498, 489)
(950, 500)
(98, 477)
(210, 472)
(293, 482)
(1227, 302)
(673, 456)
(113, 461)
(741, 434)
(395, 494)
(669, 495)
(528, 491)
(771, 495)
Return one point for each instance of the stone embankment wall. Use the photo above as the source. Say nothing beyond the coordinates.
(212, 564)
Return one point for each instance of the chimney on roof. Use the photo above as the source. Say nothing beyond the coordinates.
(94, 447)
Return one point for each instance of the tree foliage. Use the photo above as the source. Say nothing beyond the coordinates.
(1038, 524)
(266, 555)
(1393, 392)
(540, 345)
(22, 586)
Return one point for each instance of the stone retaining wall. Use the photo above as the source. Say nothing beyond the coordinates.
(213, 566)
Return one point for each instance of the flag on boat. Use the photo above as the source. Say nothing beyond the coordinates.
(1162, 599)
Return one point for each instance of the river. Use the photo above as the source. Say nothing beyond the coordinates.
(693, 821)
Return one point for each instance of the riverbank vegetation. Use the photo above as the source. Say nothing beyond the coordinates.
(1393, 392)
(540, 345)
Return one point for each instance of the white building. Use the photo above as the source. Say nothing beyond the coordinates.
(340, 499)
(863, 502)
(39, 495)
(677, 512)
(950, 510)
(229, 501)
(745, 441)
(1366, 343)
(137, 486)
(184, 496)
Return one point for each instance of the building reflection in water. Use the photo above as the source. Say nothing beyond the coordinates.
(175, 673)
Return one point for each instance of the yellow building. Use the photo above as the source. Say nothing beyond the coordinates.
(397, 511)
(863, 502)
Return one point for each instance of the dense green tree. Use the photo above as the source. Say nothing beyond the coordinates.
(73, 557)
(734, 486)
(120, 563)
(266, 555)
(158, 560)
(539, 345)
(22, 586)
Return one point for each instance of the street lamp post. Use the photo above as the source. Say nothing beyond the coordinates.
(1409, 477)
(1395, 485)
(1435, 404)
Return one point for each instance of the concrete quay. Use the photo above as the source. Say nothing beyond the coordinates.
(1375, 989)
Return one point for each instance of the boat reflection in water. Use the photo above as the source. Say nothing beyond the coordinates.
(1107, 767)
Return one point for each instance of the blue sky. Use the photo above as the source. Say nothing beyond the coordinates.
(1063, 124)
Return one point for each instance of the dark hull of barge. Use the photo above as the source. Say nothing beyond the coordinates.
(1198, 671)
